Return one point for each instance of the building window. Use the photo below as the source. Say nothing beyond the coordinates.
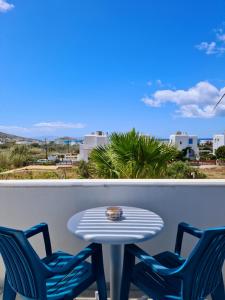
(190, 141)
(180, 143)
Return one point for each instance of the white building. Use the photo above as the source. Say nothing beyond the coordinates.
(53, 157)
(90, 142)
(25, 142)
(184, 141)
(218, 141)
(70, 158)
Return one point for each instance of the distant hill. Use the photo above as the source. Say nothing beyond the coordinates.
(12, 137)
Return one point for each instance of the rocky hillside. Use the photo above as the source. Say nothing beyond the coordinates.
(11, 137)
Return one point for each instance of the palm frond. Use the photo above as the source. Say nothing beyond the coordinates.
(132, 155)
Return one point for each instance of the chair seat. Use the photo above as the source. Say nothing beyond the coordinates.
(66, 286)
(157, 286)
(169, 259)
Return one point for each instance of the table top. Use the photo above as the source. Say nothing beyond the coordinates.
(137, 225)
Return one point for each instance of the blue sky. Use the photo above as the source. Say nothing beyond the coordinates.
(75, 66)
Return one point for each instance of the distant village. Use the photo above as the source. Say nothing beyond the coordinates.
(194, 147)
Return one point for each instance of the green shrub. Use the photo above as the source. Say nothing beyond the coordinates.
(182, 170)
(19, 161)
(20, 156)
(4, 162)
(207, 156)
(84, 169)
(220, 152)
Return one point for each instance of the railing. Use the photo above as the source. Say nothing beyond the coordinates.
(25, 203)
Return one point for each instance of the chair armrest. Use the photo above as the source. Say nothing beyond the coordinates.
(41, 228)
(182, 228)
(76, 260)
(150, 261)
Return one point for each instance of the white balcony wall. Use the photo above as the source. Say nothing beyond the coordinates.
(26, 203)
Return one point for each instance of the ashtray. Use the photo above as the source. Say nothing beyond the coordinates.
(114, 213)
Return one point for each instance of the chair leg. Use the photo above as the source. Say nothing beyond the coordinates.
(219, 293)
(8, 293)
(101, 286)
(97, 263)
(128, 263)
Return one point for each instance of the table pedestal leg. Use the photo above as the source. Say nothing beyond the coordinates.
(116, 264)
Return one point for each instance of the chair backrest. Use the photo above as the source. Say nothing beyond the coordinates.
(203, 268)
(24, 269)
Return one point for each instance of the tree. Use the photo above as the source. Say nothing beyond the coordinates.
(220, 152)
(131, 155)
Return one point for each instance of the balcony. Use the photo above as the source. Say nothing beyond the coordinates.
(25, 203)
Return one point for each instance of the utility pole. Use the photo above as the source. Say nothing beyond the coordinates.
(68, 144)
(46, 149)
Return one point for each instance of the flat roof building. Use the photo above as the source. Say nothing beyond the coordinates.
(218, 141)
(90, 142)
(184, 141)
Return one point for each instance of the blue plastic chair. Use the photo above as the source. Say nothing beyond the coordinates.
(168, 275)
(58, 276)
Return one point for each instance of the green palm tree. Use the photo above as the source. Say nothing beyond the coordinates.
(131, 155)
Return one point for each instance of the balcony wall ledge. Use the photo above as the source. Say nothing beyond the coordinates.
(110, 182)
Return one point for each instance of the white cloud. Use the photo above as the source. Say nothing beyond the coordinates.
(209, 48)
(220, 34)
(58, 125)
(215, 47)
(41, 128)
(13, 128)
(160, 84)
(5, 6)
(197, 101)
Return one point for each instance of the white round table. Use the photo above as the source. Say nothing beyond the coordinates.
(137, 225)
